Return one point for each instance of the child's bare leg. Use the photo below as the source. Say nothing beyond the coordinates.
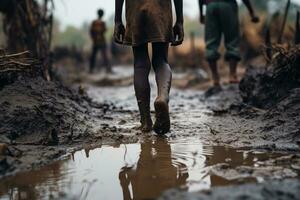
(163, 76)
(233, 71)
(214, 71)
(142, 68)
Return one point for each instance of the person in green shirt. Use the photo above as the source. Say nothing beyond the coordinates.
(222, 20)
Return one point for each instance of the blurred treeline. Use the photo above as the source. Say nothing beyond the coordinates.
(78, 37)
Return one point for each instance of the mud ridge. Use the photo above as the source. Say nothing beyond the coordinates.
(41, 120)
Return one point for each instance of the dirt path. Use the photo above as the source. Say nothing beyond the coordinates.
(108, 115)
(212, 118)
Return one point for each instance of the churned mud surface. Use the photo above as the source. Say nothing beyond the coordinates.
(287, 189)
(40, 122)
(144, 170)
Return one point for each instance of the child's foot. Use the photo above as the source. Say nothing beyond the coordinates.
(162, 124)
(146, 126)
(233, 79)
(216, 80)
(146, 121)
(216, 83)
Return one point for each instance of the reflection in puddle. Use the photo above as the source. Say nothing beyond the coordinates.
(133, 171)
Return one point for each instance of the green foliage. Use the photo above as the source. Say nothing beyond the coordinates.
(70, 37)
(192, 25)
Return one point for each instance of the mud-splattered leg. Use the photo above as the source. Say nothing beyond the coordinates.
(163, 75)
(142, 66)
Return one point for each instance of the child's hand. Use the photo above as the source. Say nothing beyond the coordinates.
(119, 32)
(178, 34)
(255, 19)
(202, 19)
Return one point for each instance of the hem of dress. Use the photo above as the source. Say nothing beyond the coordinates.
(151, 40)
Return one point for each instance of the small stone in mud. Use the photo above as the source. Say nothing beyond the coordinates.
(81, 90)
(14, 152)
(213, 91)
(3, 149)
(122, 122)
(4, 166)
(53, 138)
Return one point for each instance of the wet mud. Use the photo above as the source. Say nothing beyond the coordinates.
(266, 87)
(145, 170)
(277, 190)
(42, 122)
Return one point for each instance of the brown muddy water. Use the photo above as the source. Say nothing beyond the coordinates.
(130, 171)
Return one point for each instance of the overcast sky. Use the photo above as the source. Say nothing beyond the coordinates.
(76, 12)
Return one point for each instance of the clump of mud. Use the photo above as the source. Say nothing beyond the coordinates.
(266, 87)
(34, 111)
(40, 119)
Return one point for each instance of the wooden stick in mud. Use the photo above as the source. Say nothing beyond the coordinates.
(15, 55)
(193, 50)
(297, 29)
(268, 44)
(284, 21)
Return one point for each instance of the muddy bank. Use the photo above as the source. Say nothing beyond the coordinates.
(287, 189)
(266, 87)
(263, 112)
(41, 120)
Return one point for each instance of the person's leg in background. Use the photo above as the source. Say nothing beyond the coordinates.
(163, 75)
(230, 28)
(105, 58)
(213, 37)
(93, 58)
(142, 67)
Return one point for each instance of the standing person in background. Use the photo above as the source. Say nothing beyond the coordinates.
(150, 21)
(222, 19)
(97, 32)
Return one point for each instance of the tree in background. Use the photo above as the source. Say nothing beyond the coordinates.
(2, 36)
(28, 26)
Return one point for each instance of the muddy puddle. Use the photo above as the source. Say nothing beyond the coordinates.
(131, 171)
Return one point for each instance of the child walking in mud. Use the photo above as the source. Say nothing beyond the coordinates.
(222, 20)
(150, 21)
